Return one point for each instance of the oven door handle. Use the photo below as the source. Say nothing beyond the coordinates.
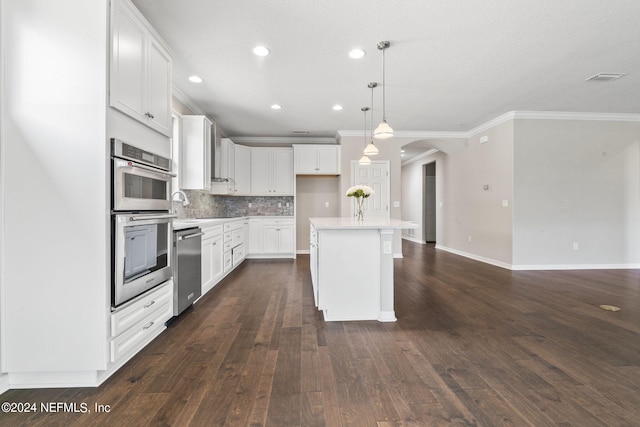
(145, 217)
(150, 169)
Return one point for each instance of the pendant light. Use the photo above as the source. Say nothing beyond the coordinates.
(371, 149)
(364, 160)
(383, 131)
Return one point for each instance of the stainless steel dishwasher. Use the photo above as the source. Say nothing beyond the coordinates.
(187, 274)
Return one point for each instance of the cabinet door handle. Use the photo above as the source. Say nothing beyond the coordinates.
(148, 325)
(150, 304)
(148, 114)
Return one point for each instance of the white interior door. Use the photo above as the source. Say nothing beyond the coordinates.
(375, 176)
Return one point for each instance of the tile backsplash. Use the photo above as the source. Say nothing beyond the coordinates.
(206, 205)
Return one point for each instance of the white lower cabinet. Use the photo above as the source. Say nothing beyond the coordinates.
(271, 237)
(135, 325)
(212, 257)
(255, 236)
(234, 252)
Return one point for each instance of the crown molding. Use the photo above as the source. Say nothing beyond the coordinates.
(273, 140)
(412, 134)
(554, 115)
(182, 97)
(562, 115)
(420, 156)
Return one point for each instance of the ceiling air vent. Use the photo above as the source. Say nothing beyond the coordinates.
(605, 77)
(300, 132)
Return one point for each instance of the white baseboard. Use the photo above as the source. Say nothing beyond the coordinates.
(476, 257)
(303, 252)
(4, 383)
(523, 267)
(413, 239)
(271, 256)
(21, 380)
(575, 267)
(387, 316)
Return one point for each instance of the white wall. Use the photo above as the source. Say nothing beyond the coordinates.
(565, 182)
(576, 182)
(55, 229)
(476, 222)
(312, 195)
(470, 219)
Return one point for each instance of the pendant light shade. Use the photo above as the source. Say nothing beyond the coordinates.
(364, 160)
(371, 150)
(383, 131)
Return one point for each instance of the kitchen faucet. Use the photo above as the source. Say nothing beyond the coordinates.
(185, 199)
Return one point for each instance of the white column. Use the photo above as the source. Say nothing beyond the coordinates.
(387, 313)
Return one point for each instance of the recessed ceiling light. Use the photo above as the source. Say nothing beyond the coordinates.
(195, 79)
(356, 53)
(337, 107)
(261, 51)
(276, 107)
(402, 151)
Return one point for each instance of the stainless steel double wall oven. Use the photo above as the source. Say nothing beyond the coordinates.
(141, 221)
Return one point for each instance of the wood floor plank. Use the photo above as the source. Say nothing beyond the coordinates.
(474, 345)
(260, 407)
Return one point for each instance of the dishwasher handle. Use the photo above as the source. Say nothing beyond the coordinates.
(190, 236)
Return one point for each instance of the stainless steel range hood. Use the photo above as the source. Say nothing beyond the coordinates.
(216, 155)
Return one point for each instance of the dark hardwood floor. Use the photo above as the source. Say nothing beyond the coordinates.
(474, 345)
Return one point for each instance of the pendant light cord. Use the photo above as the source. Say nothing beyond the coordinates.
(372, 86)
(384, 88)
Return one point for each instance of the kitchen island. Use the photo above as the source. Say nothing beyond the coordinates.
(352, 267)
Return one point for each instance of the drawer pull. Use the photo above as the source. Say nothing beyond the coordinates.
(150, 304)
(148, 325)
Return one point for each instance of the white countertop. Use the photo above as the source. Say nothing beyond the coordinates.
(182, 223)
(354, 224)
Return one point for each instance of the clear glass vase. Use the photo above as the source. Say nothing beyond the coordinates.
(359, 203)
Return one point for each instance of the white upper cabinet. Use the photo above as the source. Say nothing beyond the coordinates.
(242, 170)
(195, 164)
(140, 69)
(235, 161)
(272, 171)
(317, 159)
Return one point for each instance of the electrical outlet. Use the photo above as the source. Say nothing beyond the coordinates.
(326, 204)
(279, 205)
(250, 204)
(505, 203)
(386, 247)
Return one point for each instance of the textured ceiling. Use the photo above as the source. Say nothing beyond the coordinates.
(452, 64)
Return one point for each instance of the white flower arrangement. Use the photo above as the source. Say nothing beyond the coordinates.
(358, 191)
